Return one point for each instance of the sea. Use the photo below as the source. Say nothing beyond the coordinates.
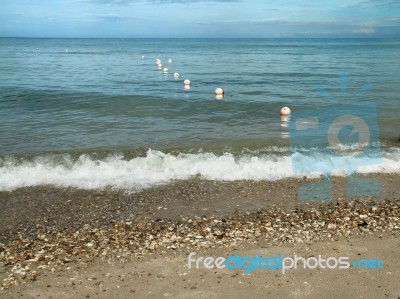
(100, 113)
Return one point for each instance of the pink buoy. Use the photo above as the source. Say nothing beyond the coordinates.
(219, 91)
(285, 111)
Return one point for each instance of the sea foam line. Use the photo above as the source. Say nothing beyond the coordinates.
(158, 168)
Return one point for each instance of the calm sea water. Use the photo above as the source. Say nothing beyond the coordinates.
(96, 112)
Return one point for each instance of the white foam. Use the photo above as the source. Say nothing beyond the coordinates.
(156, 168)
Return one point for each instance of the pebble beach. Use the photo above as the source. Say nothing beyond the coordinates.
(64, 229)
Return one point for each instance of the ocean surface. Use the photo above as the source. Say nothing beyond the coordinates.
(93, 113)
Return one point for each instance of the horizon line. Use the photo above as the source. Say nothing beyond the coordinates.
(265, 37)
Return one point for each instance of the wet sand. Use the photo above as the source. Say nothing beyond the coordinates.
(50, 235)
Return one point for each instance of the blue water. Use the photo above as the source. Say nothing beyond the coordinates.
(105, 97)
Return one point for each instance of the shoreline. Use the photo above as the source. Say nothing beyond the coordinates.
(71, 207)
(46, 230)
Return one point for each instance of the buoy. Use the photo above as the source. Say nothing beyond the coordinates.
(160, 66)
(186, 82)
(165, 70)
(176, 75)
(66, 50)
(142, 56)
(285, 111)
(187, 87)
(219, 91)
(158, 60)
(219, 96)
(170, 60)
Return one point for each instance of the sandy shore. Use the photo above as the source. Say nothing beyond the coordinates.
(74, 243)
(165, 275)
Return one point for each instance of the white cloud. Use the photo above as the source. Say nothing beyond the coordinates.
(89, 18)
(364, 30)
(373, 4)
(131, 2)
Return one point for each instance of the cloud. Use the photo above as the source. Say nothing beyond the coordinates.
(132, 2)
(90, 18)
(374, 4)
(270, 9)
(327, 28)
(364, 30)
(109, 17)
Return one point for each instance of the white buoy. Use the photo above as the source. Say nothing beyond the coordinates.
(176, 75)
(165, 70)
(219, 91)
(285, 111)
(142, 56)
(170, 60)
(186, 82)
(66, 50)
(159, 66)
(187, 87)
(219, 96)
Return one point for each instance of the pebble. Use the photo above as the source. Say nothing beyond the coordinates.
(121, 240)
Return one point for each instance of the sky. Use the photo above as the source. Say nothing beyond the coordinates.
(199, 18)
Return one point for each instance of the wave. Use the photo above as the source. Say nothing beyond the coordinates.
(157, 168)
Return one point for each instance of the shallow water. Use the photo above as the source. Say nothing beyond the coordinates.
(84, 112)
